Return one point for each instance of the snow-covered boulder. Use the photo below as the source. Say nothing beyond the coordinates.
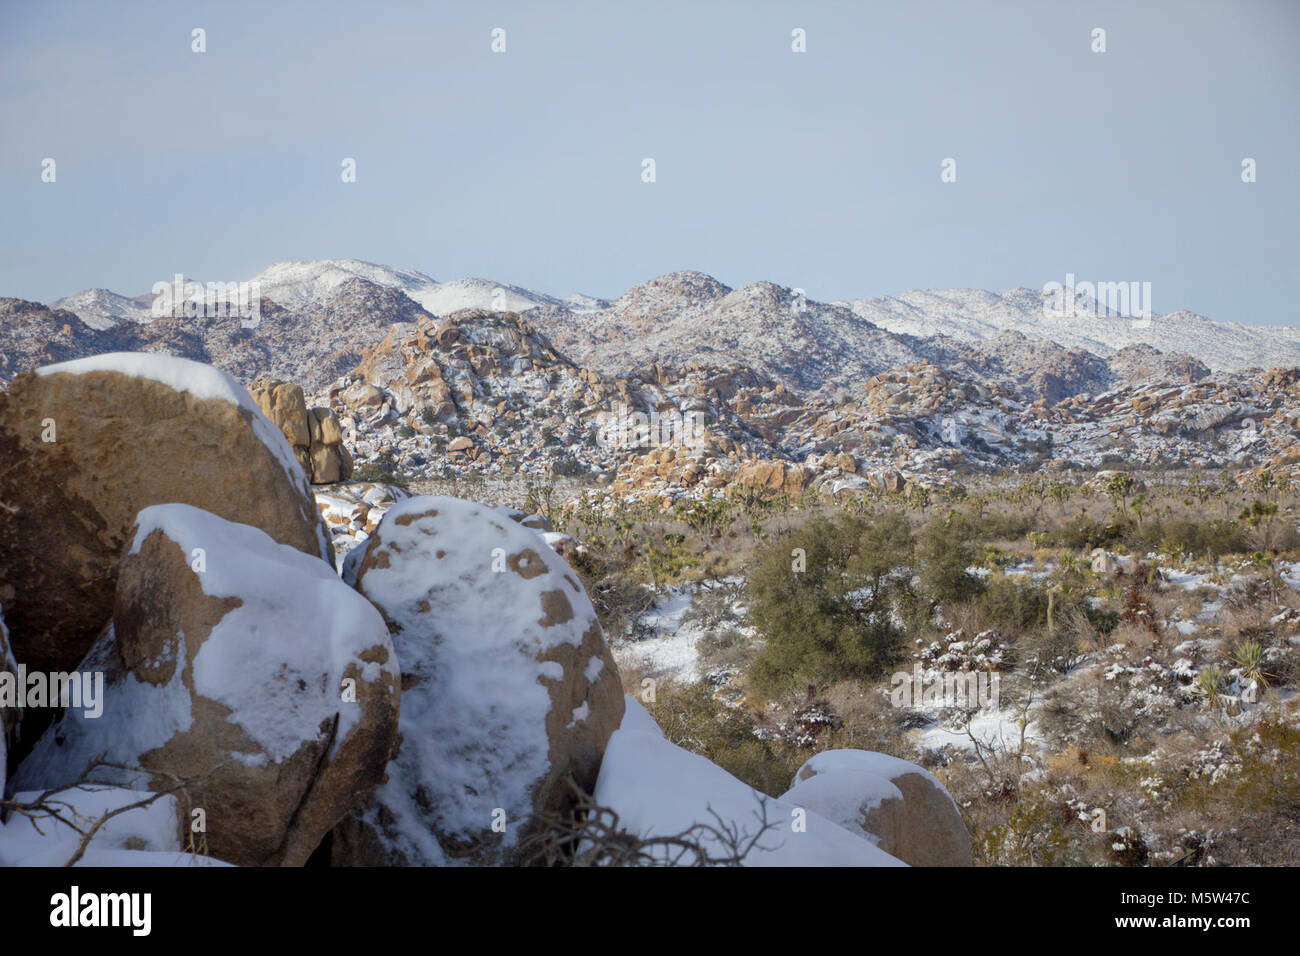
(660, 790)
(51, 832)
(902, 807)
(861, 802)
(636, 717)
(86, 445)
(508, 686)
(246, 668)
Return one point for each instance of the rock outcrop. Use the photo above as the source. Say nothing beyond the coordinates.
(243, 667)
(86, 445)
(901, 807)
(313, 433)
(508, 685)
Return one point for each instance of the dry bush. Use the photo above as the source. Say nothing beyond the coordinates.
(592, 835)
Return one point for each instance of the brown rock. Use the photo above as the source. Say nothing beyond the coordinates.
(285, 405)
(286, 677)
(927, 830)
(777, 476)
(122, 443)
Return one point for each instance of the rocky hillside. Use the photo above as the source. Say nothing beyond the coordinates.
(681, 317)
(777, 389)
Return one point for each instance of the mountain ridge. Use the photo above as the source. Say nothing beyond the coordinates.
(687, 312)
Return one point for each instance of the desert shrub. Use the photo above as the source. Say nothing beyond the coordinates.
(998, 526)
(1083, 533)
(1187, 536)
(724, 653)
(382, 468)
(1116, 705)
(823, 597)
(944, 550)
(1012, 605)
(1037, 832)
(693, 718)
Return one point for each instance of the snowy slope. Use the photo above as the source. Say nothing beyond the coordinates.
(296, 284)
(302, 285)
(974, 316)
(102, 309)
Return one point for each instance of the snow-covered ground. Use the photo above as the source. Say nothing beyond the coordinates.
(661, 643)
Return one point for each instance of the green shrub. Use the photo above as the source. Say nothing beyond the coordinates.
(824, 596)
(693, 718)
(944, 550)
(382, 469)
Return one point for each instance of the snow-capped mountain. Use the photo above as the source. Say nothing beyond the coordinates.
(1014, 337)
(685, 317)
(102, 309)
(974, 316)
(298, 284)
(303, 286)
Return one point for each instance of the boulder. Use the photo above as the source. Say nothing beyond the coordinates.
(314, 433)
(780, 477)
(660, 790)
(903, 808)
(362, 395)
(888, 479)
(86, 445)
(326, 465)
(324, 427)
(508, 685)
(247, 669)
(286, 406)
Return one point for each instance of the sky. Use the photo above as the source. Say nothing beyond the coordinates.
(820, 170)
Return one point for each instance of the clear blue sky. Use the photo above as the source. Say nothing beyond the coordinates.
(819, 170)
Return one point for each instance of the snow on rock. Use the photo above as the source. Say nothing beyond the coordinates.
(636, 717)
(660, 790)
(858, 801)
(508, 685)
(351, 511)
(925, 830)
(143, 836)
(242, 663)
(88, 444)
(195, 378)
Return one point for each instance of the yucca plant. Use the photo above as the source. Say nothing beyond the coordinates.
(1208, 682)
(1249, 657)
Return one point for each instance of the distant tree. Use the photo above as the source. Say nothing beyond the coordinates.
(823, 597)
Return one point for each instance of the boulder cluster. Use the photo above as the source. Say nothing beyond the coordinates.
(314, 433)
(443, 697)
